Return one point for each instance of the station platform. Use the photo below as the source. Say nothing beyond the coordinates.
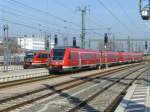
(11, 68)
(29, 73)
(22, 74)
(137, 99)
(52, 81)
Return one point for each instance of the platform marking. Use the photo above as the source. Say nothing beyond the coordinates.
(138, 99)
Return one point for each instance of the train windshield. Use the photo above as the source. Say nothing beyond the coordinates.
(58, 54)
(29, 55)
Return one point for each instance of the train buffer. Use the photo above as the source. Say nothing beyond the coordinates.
(137, 99)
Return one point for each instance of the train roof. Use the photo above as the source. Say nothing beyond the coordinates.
(36, 51)
(64, 47)
(75, 48)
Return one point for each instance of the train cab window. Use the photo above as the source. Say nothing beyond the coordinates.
(88, 56)
(74, 56)
(43, 55)
(30, 55)
(58, 54)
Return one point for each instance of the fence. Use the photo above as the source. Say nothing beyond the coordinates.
(13, 60)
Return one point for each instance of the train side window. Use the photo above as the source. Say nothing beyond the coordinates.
(74, 56)
(42, 55)
(45, 56)
(34, 54)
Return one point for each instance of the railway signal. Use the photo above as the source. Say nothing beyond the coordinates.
(146, 45)
(144, 6)
(74, 42)
(146, 51)
(55, 40)
(105, 40)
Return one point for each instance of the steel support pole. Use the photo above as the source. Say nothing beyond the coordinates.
(129, 44)
(5, 28)
(83, 13)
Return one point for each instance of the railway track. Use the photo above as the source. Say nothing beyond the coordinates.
(27, 80)
(20, 100)
(107, 98)
(40, 78)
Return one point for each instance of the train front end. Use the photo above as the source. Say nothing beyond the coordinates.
(36, 59)
(57, 60)
(28, 59)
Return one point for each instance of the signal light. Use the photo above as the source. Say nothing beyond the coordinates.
(146, 45)
(74, 41)
(55, 40)
(105, 39)
(145, 14)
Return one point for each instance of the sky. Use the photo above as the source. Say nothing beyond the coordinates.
(63, 17)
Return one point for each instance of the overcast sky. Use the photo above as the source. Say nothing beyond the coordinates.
(64, 16)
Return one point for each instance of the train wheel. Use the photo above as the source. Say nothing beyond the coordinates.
(98, 67)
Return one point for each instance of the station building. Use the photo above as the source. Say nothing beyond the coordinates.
(33, 43)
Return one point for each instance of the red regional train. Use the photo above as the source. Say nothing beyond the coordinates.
(37, 58)
(72, 59)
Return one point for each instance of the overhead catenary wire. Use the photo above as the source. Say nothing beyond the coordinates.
(70, 10)
(20, 24)
(131, 21)
(44, 28)
(43, 12)
(34, 19)
(124, 11)
(114, 16)
(30, 27)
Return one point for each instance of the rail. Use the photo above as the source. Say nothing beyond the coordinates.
(56, 88)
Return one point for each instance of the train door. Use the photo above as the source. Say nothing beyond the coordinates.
(35, 59)
(43, 58)
(38, 58)
(103, 57)
(121, 57)
(80, 63)
(100, 59)
(74, 59)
